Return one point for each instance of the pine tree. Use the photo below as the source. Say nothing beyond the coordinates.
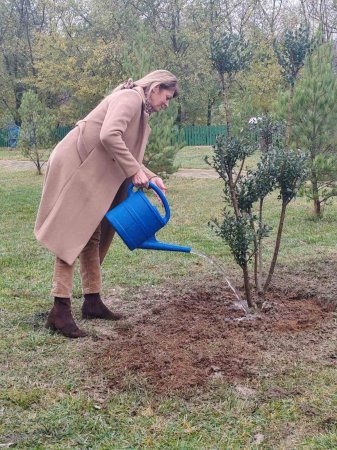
(315, 118)
(166, 137)
(165, 140)
(37, 129)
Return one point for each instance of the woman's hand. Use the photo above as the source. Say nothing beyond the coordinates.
(159, 183)
(140, 179)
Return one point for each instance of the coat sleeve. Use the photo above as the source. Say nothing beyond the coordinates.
(121, 111)
(148, 172)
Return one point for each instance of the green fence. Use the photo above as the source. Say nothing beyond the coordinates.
(194, 135)
(197, 135)
(3, 138)
(10, 139)
(62, 131)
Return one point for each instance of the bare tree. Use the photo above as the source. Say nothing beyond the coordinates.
(321, 13)
(271, 12)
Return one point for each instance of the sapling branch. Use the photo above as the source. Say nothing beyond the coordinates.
(277, 246)
(239, 173)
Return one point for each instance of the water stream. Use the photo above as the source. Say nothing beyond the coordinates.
(242, 304)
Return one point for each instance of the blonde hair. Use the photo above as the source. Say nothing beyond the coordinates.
(162, 78)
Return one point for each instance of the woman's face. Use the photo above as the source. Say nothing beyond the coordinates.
(160, 98)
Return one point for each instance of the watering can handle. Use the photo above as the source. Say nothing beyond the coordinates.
(161, 196)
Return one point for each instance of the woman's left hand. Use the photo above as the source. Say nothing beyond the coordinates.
(159, 183)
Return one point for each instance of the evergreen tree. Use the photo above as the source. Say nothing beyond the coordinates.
(166, 137)
(291, 52)
(315, 118)
(230, 54)
(37, 129)
(165, 140)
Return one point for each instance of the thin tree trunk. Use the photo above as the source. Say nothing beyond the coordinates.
(39, 167)
(256, 248)
(277, 246)
(225, 91)
(247, 285)
(260, 259)
(227, 110)
(237, 215)
(317, 206)
(233, 196)
(179, 115)
(256, 263)
(209, 111)
(290, 115)
(38, 163)
(315, 194)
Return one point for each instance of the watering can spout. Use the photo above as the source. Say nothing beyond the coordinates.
(153, 244)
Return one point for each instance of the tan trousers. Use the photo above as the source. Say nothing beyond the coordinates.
(90, 270)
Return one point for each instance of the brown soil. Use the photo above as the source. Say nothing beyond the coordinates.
(187, 335)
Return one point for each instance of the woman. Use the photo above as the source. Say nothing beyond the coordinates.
(88, 173)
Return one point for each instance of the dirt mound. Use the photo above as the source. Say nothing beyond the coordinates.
(194, 334)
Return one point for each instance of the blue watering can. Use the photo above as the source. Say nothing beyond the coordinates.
(136, 221)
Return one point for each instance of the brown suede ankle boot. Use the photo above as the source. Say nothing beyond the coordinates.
(94, 308)
(61, 320)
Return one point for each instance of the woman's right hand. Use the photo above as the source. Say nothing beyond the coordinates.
(140, 179)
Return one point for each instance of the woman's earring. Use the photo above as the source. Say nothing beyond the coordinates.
(148, 107)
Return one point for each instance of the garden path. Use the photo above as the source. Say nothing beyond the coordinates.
(184, 173)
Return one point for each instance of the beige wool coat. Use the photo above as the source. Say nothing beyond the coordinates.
(89, 170)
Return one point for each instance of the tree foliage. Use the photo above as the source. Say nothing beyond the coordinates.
(165, 140)
(259, 83)
(291, 52)
(230, 54)
(37, 133)
(72, 52)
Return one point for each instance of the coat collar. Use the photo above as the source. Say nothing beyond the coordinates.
(140, 91)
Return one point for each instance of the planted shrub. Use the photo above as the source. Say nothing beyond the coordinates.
(242, 226)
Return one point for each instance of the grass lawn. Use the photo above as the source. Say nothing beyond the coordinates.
(194, 158)
(13, 153)
(48, 399)
(186, 158)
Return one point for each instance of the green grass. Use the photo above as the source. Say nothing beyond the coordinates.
(194, 158)
(11, 153)
(49, 401)
(186, 158)
(14, 154)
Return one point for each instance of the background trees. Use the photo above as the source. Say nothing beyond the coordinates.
(72, 52)
(20, 19)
